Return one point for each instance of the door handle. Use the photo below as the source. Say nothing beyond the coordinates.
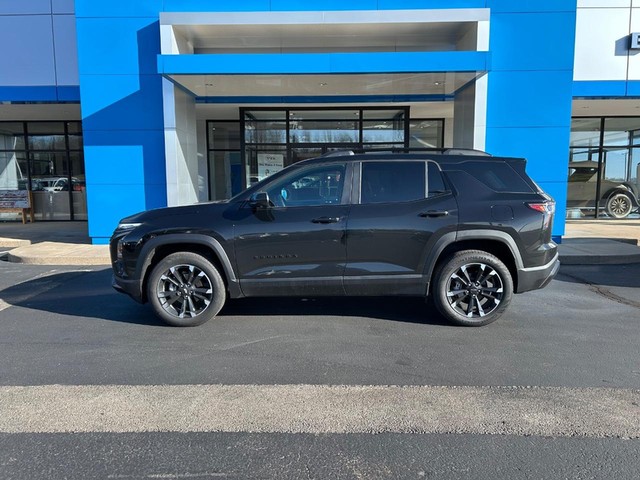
(326, 220)
(434, 213)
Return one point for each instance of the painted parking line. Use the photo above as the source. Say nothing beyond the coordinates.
(545, 411)
(3, 305)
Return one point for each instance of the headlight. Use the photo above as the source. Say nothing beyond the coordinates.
(127, 226)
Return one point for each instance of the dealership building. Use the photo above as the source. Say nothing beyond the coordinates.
(110, 107)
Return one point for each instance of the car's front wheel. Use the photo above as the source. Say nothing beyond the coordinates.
(619, 205)
(472, 288)
(185, 289)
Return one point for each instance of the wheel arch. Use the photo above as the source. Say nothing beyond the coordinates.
(159, 247)
(621, 189)
(499, 244)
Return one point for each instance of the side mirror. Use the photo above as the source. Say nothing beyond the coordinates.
(260, 200)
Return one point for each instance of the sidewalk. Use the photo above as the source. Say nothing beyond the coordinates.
(51, 243)
(586, 242)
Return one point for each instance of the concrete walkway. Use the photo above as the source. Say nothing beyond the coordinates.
(586, 242)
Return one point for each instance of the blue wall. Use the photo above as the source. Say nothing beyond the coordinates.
(529, 93)
(39, 62)
(530, 87)
(122, 117)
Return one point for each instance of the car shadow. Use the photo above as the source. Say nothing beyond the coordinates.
(89, 295)
(602, 275)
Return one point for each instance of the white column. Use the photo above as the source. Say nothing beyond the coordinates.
(181, 153)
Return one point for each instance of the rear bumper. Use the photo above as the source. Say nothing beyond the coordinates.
(535, 278)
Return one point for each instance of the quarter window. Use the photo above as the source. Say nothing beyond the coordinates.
(384, 182)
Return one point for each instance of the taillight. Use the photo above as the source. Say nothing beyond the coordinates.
(548, 208)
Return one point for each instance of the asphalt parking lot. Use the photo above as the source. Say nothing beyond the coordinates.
(574, 343)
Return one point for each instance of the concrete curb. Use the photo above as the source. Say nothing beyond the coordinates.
(54, 253)
(13, 242)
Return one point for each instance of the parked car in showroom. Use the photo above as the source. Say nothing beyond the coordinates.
(618, 198)
(467, 231)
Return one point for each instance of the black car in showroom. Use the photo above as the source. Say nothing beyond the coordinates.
(467, 230)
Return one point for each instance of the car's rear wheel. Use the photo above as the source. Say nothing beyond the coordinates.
(619, 205)
(472, 288)
(185, 289)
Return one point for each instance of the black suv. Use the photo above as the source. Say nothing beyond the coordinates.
(465, 230)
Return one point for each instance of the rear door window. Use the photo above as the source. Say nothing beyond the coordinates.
(384, 182)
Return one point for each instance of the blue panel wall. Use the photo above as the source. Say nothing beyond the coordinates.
(529, 96)
(530, 89)
(39, 51)
(121, 95)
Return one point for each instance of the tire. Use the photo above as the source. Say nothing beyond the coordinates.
(619, 205)
(489, 293)
(185, 289)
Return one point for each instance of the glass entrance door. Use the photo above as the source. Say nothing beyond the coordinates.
(276, 138)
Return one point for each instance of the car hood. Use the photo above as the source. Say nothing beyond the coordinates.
(195, 209)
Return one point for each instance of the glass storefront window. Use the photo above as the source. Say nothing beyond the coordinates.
(50, 164)
(390, 114)
(262, 161)
(596, 166)
(621, 131)
(48, 128)
(265, 115)
(323, 131)
(47, 142)
(13, 171)
(75, 142)
(224, 135)
(74, 127)
(585, 132)
(265, 131)
(382, 131)
(616, 164)
(11, 136)
(275, 138)
(225, 174)
(341, 114)
(426, 133)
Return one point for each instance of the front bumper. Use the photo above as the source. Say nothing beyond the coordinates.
(535, 278)
(130, 287)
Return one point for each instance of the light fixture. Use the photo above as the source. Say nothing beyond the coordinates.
(322, 84)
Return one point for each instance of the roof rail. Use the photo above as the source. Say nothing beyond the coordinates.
(442, 151)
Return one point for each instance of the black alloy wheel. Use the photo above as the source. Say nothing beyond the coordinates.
(185, 289)
(472, 288)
